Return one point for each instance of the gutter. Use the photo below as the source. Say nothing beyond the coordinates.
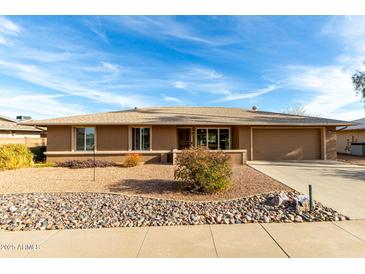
(343, 128)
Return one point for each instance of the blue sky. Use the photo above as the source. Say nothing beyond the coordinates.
(64, 65)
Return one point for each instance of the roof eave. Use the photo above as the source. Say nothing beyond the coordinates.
(21, 129)
(182, 123)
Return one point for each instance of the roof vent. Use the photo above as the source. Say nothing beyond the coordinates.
(254, 108)
(23, 118)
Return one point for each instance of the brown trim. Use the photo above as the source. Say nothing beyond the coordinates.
(130, 136)
(73, 137)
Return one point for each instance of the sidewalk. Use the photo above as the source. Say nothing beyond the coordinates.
(339, 239)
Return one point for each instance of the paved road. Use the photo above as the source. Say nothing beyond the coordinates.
(337, 239)
(335, 184)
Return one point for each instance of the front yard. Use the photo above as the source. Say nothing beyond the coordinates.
(146, 195)
(144, 180)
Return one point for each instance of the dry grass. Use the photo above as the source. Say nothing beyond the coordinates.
(356, 160)
(144, 180)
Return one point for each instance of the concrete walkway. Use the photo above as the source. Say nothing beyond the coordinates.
(339, 239)
(335, 184)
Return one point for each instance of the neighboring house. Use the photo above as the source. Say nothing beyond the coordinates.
(157, 132)
(13, 132)
(351, 134)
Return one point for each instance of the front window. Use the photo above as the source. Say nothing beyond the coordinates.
(201, 137)
(141, 138)
(213, 138)
(85, 138)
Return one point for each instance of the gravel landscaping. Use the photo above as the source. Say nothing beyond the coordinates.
(44, 211)
(150, 180)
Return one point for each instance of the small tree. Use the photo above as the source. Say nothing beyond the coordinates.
(297, 110)
(358, 81)
(199, 170)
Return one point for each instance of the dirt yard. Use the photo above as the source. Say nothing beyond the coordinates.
(145, 180)
(356, 160)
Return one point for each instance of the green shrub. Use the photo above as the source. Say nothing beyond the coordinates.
(14, 156)
(199, 170)
(132, 160)
(38, 154)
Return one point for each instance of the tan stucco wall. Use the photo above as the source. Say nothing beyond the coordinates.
(112, 138)
(287, 144)
(331, 146)
(344, 138)
(19, 134)
(164, 137)
(298, 143)
(242, 140)
(59, 138)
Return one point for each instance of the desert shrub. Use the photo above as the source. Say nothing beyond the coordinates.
(89, 163)
(14, 156)
(199, 170)
(38, 154)
(132, 160)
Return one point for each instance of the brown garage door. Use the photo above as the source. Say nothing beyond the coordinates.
(286, 144)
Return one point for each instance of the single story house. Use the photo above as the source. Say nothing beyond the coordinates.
(351, 134)
(10, 128)
(12, 132)
(159, 133)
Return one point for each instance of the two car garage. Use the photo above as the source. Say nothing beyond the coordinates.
(287, 144)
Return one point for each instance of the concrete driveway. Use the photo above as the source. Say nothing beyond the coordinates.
(335, 184)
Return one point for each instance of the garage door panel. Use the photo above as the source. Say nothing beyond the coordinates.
(286, 144)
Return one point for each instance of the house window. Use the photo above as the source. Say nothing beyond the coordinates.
(141, 137)
(213, 138)
(85, 138)
(201, 135)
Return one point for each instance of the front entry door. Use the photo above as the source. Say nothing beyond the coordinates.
(183, 138)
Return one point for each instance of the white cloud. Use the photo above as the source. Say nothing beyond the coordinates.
(349, 32)
(95, 26)
(180, 85)
(38, 105)
(232, 96)
(326, 90)
(112, 68)
(205, 73)
(348, 27)
(167, 27)
(3, 41)
(171, 99)
(37, 75)
(8, 27)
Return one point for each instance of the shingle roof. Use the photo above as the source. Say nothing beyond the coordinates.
(358, 124)
(188, 116)
(10, 124)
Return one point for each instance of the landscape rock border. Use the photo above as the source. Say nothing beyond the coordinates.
(48, 211)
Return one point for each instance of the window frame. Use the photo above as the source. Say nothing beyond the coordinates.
(207, 136)
(74, 145)
(130, 145)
